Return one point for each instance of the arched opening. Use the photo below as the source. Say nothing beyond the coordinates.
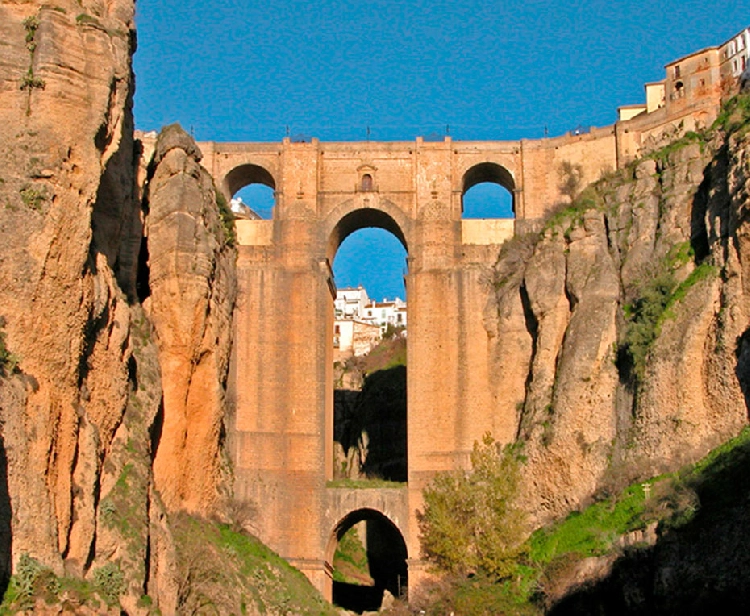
(368, 558)
(367, 184)
(253, 192)
(487, 192)
(370, 319)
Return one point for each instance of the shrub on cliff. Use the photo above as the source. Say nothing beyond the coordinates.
(8, 361)
(469, 522)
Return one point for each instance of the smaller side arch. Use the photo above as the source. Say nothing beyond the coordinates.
(489, 173)
(244, 175)
(352, 518)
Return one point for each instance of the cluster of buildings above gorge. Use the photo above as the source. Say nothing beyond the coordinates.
(707, 75)
(360, 322)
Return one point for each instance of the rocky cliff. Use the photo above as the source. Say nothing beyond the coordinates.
(628, 314)
(82, 406)
(69, 240)
(191, 293)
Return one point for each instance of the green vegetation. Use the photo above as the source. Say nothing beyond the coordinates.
(593, 531)
(83, 19)
(227, 219)
(30, 581)
(110, 582)
(223, 571)
(29, 81)
(8, 361)
(735, 115)
(31, 25)
(663, 154)
(469, 522)
(646, 314)
(350, 564)
(679, 502)
(571, 216)
(33, 197)
(33, 582)
(644, 317)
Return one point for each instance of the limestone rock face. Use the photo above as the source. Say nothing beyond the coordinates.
(67, 224)
(609, 397)
(79, 400)
(193, 288)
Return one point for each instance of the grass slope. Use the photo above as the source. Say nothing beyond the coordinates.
(700, 516)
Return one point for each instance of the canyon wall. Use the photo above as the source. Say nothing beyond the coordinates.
(627, 316)
(192, 289)
(105, 296)
(69, 238)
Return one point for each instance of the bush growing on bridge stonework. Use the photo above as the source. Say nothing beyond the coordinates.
(470, 522)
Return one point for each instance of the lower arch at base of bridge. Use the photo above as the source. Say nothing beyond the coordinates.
(381, 518)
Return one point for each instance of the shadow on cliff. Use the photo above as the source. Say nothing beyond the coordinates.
(378, 424)
(742, 370)
(6, 535)
(701, 561)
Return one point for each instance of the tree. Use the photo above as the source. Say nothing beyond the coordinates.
(469, 521)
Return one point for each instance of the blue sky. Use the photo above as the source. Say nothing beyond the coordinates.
(237, 70)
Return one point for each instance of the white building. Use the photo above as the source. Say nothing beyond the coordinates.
(359, 322)
(735, 54)
(354, 337)
(706, 75)
(350, 302)
(241, 210)
(386, 313)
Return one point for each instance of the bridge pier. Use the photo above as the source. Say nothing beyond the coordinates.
(280, 433)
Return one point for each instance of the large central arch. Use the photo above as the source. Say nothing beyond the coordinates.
(344, 221)
(362, 213)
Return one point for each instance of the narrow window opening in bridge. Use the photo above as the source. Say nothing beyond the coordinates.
(487, 200)
(369, 561)
(369, 354)
(254, 201)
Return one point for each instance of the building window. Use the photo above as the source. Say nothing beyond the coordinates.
(677, 72)
(337, 330)
(366, 182)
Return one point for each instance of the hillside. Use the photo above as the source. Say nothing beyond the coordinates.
(619, 341)
(634, 303)
(675, 543)
(370, 413)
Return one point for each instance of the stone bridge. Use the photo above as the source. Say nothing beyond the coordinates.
(281, 378)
